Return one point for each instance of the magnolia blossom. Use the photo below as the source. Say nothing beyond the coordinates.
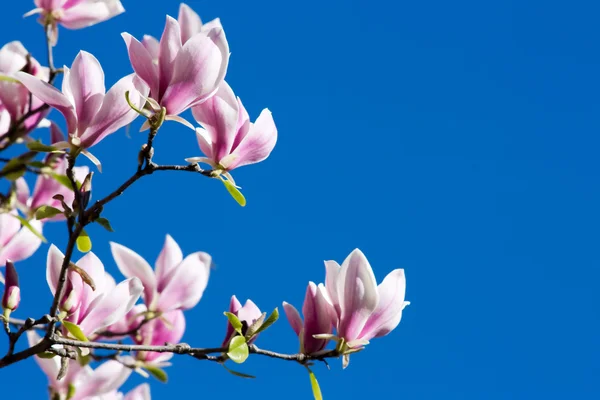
(364, 310)
(168, 328)
(246, 314)
(229, 140)
(16, 241)
(75, 14)
(92, 310)
(186, 67)
(85, 383)
(46, 187)
(12, 291)
(90, 111)
(177, 283)
(317, 312)
(14, 97)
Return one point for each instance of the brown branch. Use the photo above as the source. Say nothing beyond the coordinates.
(75, 227)
(199, 353)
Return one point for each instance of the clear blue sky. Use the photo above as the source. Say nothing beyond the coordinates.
(458, 140)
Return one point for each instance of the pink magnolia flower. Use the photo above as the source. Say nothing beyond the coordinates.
(176, 284)
(46, 187)
(14, 97)
(168, 328)
(92, 310)
(364, 310)
(186, 67)
(75, 14)
(90, 111)
(246, 314)
(317, 313)
(12, 291)
(16, 241)
(85, 383)
(229, 140)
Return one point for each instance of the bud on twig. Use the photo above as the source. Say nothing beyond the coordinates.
(86, 190)
(12, 292)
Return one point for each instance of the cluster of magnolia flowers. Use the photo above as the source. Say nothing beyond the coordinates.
(183, 70)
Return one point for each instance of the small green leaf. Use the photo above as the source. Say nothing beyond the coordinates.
(234, 192)
(236, 373)
(270, 321)
(156, 372)
(14, 169)
(251, 331)
(234, 321)
(315, 385)
(40, 147)
(63, 180)
(238, 349)
(38, 164)
(103, 222)
(27, 225)
(46, 212)
(71, 391)
(75, 331)
(84, 243)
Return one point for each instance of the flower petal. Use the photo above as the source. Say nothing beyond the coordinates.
(88, 13)
(53, 266)
(22, 191)
(91, 264)
(332, 270)
(168, 259)
(86, 81)
(142, 62)
(388, 313)
(115, 112)
(112, 307)
(187, 283)
(51, 96)
(257, 144)
(293, 317)
(108, 377)
(50, 366)
(153, 47)
(219, 117)
(234, 307)
(140, 392)
(131, 265)
(170, 45)
(9, 226)
(22, 245)
(199, 69)
(357, 290)
(189, 22)
(317, 319)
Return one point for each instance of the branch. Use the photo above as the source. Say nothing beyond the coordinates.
(199, 353)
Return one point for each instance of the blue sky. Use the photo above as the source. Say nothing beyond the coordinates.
(457, 140)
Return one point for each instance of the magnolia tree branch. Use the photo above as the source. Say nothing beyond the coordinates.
(75, 227)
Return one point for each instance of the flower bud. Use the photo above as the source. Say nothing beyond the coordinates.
(86, 190)
(12, 292)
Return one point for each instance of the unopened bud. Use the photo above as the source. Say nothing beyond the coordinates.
(86, 190)
(12, 292)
